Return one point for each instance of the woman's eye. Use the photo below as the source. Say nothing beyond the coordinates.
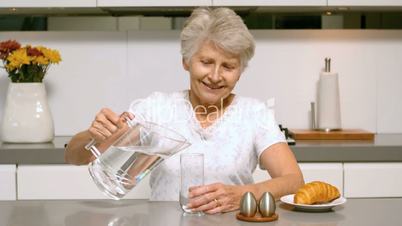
(205, 62)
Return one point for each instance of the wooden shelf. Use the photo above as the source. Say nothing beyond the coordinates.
(345, 134)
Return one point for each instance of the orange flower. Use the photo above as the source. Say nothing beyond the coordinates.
(34, 52)
(7, 47)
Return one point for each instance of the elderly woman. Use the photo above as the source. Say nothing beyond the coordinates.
(234, 133)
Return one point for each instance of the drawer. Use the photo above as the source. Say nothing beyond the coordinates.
(328, 172)
(373, 180)
(331, 173)
(65, 182)
(7, 182)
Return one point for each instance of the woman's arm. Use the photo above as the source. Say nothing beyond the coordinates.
(281, 164)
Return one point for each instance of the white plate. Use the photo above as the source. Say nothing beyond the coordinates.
(288, 199)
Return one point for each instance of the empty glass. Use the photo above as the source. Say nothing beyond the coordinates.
(125, 158)
(192, 174)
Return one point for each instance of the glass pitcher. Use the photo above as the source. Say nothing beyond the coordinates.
(125, 158)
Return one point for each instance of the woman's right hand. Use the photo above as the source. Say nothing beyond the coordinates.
(106, 123)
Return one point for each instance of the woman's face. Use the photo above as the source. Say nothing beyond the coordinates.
(213, 74)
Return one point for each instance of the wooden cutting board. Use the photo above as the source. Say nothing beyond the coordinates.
(345, 134)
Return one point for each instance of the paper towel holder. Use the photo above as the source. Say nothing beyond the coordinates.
(315, 122)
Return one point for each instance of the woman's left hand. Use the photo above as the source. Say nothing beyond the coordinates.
(215, 198)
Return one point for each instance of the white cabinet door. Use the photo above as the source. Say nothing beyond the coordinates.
(65, 182)
(328, 172)
(331, 173)
(146, 3)
(48, 3)
(373, 180)
(269, 3)
(364, 2)
(7, 182)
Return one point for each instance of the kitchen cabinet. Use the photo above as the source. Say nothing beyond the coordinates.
(354, 180)
(7, 182)
(269, 3)
(329, 172)
(373, 180)
(64, 182)
(47, 3)
(74, 182)
(153, 3)
(364, 2)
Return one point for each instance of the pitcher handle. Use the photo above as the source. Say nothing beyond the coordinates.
(91, 147)
(138, 119)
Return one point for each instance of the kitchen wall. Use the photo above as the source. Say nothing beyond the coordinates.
(109, 69)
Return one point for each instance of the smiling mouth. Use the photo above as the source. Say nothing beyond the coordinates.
(214, 87)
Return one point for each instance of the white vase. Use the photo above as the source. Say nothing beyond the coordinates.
(27, 117)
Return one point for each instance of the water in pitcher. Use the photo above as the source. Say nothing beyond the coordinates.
(119, 169)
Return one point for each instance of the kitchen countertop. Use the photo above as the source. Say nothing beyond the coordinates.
(384, 148)
(368, 212)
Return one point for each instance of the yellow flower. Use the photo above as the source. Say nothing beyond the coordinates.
(41, 60)
(52, 55)
(17, 58)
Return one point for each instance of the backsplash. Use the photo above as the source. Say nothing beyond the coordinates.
(110, 69)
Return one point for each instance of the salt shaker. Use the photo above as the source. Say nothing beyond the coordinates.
(248, 205)
(267, 205)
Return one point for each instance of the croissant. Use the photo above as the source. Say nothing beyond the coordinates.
(316, 192)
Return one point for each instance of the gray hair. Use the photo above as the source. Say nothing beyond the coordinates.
(221, 26)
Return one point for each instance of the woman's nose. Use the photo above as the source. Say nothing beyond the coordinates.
(215, 76)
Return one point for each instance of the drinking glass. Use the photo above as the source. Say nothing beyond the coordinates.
(192, 174)
(125, 158)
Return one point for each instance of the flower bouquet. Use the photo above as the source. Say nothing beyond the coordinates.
(28, 63)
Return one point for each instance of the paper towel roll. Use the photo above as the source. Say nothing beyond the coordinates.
(328, 106)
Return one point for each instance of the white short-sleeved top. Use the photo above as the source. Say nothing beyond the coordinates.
(231, 145)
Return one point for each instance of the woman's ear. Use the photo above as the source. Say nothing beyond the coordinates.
(185, 64)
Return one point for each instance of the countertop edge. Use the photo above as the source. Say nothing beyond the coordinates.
(386, 148)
